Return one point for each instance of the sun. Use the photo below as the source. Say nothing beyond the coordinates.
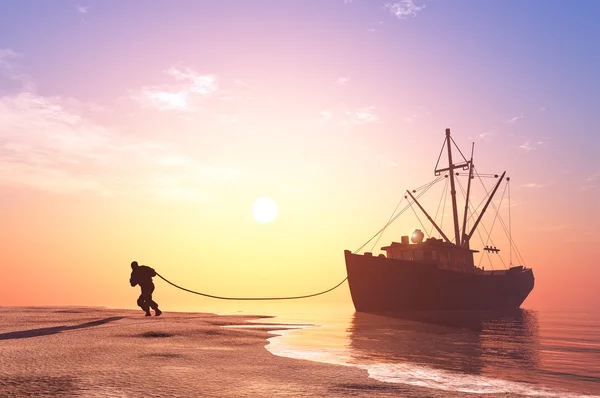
(264, 210)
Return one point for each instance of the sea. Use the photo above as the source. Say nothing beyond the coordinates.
(529, 353)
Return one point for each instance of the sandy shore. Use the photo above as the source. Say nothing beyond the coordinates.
(120, 353)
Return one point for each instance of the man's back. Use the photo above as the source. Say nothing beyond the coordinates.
(142, 275)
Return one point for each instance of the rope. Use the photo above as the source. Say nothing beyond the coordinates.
(251, 298)
(439, 205)
(397, 215)
(459, 151)
(489, 237)
(473, 213)
(517, 251)
(440, 155)
(388, 223)
(507, 232)
(420, 222)
(430, 183)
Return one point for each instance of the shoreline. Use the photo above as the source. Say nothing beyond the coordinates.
(97, 351)
(94, 351)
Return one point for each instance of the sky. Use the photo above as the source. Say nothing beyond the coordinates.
(146, 130)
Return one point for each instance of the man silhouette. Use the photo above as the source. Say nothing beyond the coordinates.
(142, 275)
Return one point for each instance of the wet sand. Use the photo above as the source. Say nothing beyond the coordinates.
(96, 352)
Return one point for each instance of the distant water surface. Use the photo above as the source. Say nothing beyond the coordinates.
(527, 353)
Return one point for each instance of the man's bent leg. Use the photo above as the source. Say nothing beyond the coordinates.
(143, 303)
(147, 293)
(152, 304)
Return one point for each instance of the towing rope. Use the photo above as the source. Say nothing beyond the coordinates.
(251, 298)
(269, 298)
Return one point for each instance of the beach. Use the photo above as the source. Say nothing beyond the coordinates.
(97, 352)
(100, 352)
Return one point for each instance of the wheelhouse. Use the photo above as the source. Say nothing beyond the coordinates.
(432, 251)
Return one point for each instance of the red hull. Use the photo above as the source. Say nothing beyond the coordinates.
(380, 284)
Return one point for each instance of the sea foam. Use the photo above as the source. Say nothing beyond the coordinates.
(417, 375)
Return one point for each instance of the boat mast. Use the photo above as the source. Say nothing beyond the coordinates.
(465, 240)
(452, 188)
(450, 169)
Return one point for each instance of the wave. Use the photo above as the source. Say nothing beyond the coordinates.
(417, 375)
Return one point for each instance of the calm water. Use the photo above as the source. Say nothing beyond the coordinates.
(529, 353)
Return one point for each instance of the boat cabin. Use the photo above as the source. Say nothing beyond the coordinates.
(432, 251)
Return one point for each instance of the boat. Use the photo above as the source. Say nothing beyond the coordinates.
(438, 273)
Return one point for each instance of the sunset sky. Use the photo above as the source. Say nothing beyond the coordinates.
(146, 130)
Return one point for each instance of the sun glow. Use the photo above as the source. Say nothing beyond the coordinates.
(264, 210)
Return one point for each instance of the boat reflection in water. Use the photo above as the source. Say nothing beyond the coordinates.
(453, 351)
(466, 342)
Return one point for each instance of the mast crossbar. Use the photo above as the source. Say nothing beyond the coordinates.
(463, 166)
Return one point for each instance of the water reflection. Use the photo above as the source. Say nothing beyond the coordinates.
(474, 343)
(522, 353)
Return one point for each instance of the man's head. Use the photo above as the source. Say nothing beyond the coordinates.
(134, 265)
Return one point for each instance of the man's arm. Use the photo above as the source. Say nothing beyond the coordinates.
(132, 279)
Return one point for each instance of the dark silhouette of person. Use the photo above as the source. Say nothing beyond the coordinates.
(142, 275)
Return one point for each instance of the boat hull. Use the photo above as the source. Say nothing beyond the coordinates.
(384, 285)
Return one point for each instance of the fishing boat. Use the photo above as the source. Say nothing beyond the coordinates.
(438, 273)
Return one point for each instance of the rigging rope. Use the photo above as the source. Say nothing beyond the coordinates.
(459, 151)
(517, 251)
(489, 237)
(474, 213)
(388, 222)
(429, 185)
(419, 219)
(507, 232)
(439, 205)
